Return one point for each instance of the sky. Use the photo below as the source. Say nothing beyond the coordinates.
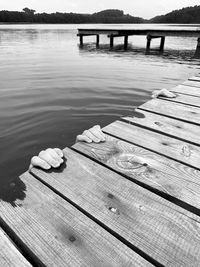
(139, 8)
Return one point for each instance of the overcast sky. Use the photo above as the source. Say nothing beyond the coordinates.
(142, 8)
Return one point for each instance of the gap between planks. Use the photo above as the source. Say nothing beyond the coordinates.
(184, 99)
(174, 110)
(187, 90)
(138, 213)
(58, 234)
(10, 256)
(163, 176)
(192, 83)
(165, 125)
(170, 147)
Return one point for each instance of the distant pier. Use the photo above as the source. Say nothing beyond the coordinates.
(150, 34)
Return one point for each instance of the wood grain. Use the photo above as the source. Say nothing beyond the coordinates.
(159, 228)
(167, 146)
(148, 168)
(185, 99)
(173, 110)
(192, 83)
(175, 128)
(60, 235)
(9, 254)
(187, 90)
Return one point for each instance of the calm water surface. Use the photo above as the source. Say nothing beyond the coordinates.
(51, 89)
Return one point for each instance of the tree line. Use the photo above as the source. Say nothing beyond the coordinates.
(29, 16)
(185, 15)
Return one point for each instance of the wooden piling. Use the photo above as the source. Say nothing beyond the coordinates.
(111, 41)
(197, 52)
(81, 39)
(97, 40)
(162, 43)
(125, 41)
(148, 42)
(149, 33)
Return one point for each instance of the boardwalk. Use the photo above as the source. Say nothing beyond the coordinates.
(150, 33)
(133, 200)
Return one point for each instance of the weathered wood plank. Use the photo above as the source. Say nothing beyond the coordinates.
(175, 128)
(162, 144)
(185, 99)
(60, 235)
(148, 168)
(9, 254)
(174, 110)
(187, 90)
(97, 31)
(192, 83)
(147, 31)
(154, 225)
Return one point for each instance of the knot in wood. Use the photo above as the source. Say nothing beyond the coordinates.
(114, 210)
(158, 123)
(72, 239)
(131, 162)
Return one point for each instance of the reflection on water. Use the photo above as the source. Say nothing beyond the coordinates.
(51, 89)
(119, 51)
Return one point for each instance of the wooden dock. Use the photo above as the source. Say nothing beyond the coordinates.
(133, 200)
(150, 34)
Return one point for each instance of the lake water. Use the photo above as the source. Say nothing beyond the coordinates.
(51, 89)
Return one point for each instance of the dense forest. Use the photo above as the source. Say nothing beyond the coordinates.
(184, 15)
(29, 16)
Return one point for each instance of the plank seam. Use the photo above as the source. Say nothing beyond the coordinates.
(101, 224)
(25, 251)
(171, 90)
(191, 85)
(164, 195)
(153, 151)
(157, 131)
(193, 79)
(168, 116)
(177, 101)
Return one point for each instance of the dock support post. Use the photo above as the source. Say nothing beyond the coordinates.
(148, 42)
(111, 41)
(162, 43)
(125, 41)
(97, 40)
(197, 52)
(81, 39)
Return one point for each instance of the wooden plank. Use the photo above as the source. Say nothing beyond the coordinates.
(162, 144)
(159, 228)
(185, 99)
(148, 31)
(148, 168)
(9, 254)
(174, 110)
(94, 32)
(60, 235)
(192, 83)
(187, 90)
(175, 128)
